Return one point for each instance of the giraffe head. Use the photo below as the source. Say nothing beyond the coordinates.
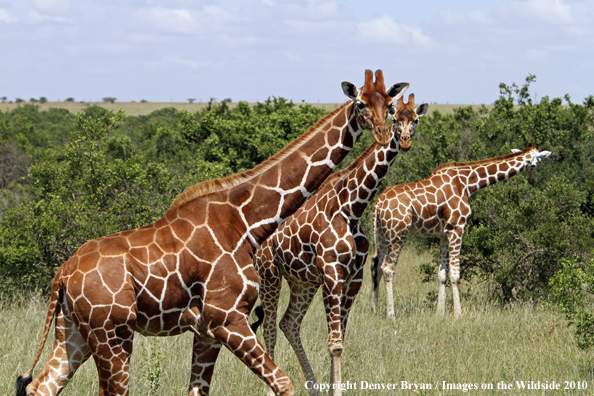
(405, 120)
(532, 157)
(371, 103)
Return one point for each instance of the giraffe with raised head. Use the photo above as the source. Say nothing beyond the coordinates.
(192, 269)
(323, 244)
(437, 207)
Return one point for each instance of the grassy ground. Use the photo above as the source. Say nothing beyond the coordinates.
(138, 108)
(487, 346)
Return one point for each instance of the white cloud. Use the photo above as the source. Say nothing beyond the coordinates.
(548, 11)
(474, 17)
(385, 29)
(37, 17)
(6, 17)
(313, 27)
(186, 21)
(51, 6)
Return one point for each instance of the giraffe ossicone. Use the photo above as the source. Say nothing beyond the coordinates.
(438, 207)
(192, 269)
(323, 245)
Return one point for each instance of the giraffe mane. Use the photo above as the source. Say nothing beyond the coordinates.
(455, 164)
(343, 172)
(216, 185)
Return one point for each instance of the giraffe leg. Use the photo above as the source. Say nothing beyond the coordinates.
(290, 324)
(354, 285)
(239, 338)
(270, 287)
(204, 355)
(455, 242)
(69, 353)
(388, 268)
(112, 347)
(444, 263)
(332, 294)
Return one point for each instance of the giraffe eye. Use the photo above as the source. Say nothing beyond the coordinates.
(360, 105)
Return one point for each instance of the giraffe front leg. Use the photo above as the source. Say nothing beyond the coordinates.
(455, 242)
(204, 356)
(442, 274)
(239, 338)
(332, 296)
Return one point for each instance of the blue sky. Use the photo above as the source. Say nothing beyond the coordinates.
(449, 51)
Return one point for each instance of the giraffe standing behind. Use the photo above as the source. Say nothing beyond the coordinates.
(192, 269)
(437, 207)
(323, 244)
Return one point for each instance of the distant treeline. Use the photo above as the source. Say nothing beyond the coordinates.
(66, 178)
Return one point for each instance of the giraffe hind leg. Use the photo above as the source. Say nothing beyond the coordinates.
(204, 355)
(70, 351)
(290, 325)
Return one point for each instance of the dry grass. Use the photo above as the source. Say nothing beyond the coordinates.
(487, 345)
(138, 108)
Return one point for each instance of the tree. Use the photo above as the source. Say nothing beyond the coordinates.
(95, 185)
(572, 288)
(109, 99)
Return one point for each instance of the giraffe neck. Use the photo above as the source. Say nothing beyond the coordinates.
(488, 172)
(266, 195)
(362, 182)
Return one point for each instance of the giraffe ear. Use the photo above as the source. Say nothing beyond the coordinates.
(350, 90)
(516, 151)
(422, 109)
(544, 154)
(397, 90)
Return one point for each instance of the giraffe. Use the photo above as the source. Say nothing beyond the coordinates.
(323, 244)
(192, 269)
(438, 207)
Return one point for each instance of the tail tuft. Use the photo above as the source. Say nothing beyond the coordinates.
(21, 384)
(374, 271)
(259, 311)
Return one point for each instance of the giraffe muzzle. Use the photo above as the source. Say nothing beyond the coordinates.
(382, 135)
(405, 143)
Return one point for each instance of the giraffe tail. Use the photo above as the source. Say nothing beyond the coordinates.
(259, 311)
(26, 378)
(375, 274)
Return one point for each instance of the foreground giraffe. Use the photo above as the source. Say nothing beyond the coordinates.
(192, 270)
(323, 244)
(437, 207)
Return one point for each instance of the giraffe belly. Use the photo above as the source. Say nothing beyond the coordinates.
(166, 323)
(432, 228)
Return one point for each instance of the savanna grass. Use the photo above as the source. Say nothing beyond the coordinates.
(487, 346)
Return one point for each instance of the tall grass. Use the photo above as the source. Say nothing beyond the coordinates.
(487, 345)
